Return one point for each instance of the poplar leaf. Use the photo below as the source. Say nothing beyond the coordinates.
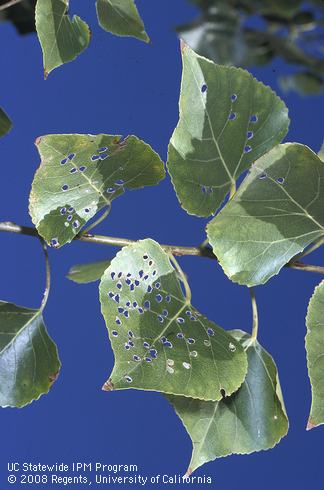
(227, 120)
(315, 355)
(29, 362)
(276, 213)
(160, 341)
(62, 39)
(252, 419)
(121, 17)
(85, 273)
(81, 174)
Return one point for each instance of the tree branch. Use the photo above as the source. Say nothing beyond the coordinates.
(110, 241)
(11, 3)
(306, 267)
(177, 250)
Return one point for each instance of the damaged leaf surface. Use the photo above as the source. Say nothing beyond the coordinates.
(160, 341)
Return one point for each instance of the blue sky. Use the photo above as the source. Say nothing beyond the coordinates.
(122, 86)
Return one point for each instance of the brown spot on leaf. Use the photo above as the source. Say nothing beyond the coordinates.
(120, 142)
(310, 424)
(53, 377)
(183, 45)
(108, 386)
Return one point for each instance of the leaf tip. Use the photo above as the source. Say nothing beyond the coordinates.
(53, 377)
(183, 45)
(108, 385)
(310, 425)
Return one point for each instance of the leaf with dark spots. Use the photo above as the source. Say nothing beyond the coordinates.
(80, 175)
(252, 419)
(160, 341)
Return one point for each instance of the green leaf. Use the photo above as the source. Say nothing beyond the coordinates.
(29, 362)
(216, 34)
(5, 123)
(315, 355)
(160, 341)
(304, 83)
(61, 38)
(276, 213)
(227, 120)
(121, 17)
(252, 419)
(81, 174)
(84, 273)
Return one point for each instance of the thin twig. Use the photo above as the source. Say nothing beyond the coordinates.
(11, 3)
(175, 250)
(306, 267)
(110, 241)
(318, 243)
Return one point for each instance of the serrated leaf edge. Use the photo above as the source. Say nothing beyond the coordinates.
(190, 470)
(55, 375)
(214, 247)
(108, 384)
(311, 424)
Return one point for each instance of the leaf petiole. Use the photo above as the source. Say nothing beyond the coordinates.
(48, 277)
(98, 221)
(182, 277)
(318, 243)
(255, 321)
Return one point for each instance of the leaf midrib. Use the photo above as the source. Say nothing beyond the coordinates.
(19, 332)
(232, 180)
(304, 211)
(121, 16)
